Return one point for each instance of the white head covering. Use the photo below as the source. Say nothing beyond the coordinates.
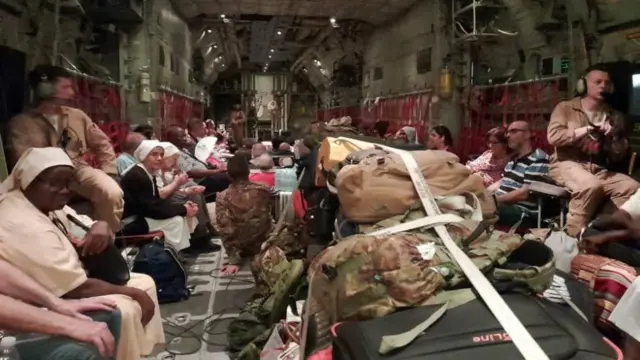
(169, 149)
(146, 146)
(410, 132)
(31, 164)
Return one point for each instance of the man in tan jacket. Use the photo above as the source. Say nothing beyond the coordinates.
(576, 130)
(49, 124)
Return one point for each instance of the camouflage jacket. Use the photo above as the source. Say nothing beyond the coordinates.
(243, 219)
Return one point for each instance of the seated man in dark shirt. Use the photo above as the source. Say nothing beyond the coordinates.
(214, 180)
(527, 165)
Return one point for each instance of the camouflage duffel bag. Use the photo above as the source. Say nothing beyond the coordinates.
(368, 276)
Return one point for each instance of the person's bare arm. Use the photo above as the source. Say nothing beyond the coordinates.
(18, 285)
(514, 196)
(198, 174)
(18, 316)
(95, 287)
(169, 190)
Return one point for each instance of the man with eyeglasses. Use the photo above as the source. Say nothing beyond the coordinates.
(578, 130)
(528, 164)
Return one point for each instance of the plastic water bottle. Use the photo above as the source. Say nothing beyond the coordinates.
(8, 349)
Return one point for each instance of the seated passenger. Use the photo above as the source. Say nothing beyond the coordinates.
(146, 130)
(214, 180)
(37, 188)
(491, 163)
(73, 335)
(258, 149)
(142, 198)
(527, 165)
(196, 129)
(177, 186)
(49, 123)
(440, 139)
(243, 216)
(266, 176)
(407, 134)
(126, 160)
(575, 130)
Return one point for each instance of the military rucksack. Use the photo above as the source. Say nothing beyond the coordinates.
(368, 276)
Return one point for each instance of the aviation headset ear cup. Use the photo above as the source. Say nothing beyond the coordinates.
(45, 89)
(581, 86)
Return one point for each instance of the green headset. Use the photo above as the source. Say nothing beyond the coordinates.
(45, 89)
(582, 87)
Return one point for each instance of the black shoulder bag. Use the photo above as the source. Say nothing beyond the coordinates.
(108, 265)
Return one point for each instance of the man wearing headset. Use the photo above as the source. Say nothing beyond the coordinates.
(48, 123)
(577, 130)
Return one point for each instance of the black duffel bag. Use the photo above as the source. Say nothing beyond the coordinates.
(470, 331)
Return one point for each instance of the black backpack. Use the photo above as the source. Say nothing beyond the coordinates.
(162, 264)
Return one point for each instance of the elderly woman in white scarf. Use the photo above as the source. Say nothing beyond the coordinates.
(142, 198)
(407, 134)
(36, 237)
(180, 188)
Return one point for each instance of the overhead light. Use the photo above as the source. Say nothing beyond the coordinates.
(215, 46)
(269, 56)
(209, 31)
(333, 20)
(223, 16)
(272, 50)
(279, 32)
(222, 65)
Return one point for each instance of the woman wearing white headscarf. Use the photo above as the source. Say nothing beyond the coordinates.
(142, 198)
(35, 237)
(177, 186)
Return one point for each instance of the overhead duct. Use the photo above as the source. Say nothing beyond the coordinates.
(524, 18)
(317, 41)
(313, 22)
(232, 42)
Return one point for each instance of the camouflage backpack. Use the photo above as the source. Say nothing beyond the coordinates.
(249, 332)
(368, 276)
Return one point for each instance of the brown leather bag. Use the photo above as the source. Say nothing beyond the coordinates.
(380, 187)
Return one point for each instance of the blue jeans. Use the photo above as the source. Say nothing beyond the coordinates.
(44, 347)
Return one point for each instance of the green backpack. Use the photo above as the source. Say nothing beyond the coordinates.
(248, 333)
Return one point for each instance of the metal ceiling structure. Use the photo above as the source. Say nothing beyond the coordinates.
(373, 11)
(283, 34)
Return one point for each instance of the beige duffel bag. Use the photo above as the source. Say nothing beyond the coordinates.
(380, 187)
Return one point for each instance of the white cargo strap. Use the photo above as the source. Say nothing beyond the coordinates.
(521, 338)
(424, 223)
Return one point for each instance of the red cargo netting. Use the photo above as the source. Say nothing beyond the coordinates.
(411, 109)
(101, 100)
(176, 109)
(499, 105)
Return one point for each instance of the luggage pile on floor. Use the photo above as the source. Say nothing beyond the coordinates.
(391, 287)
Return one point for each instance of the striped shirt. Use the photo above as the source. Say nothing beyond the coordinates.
(522, 171)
